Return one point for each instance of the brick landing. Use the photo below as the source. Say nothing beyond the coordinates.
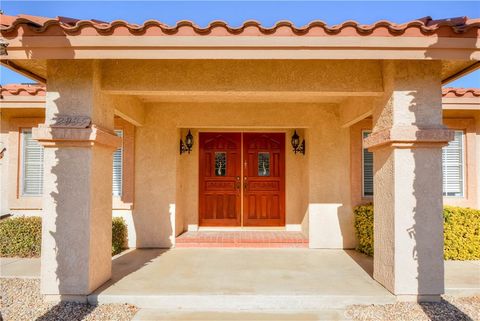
(242, 239)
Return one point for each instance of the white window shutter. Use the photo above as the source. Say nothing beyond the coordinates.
(32, 165)
(367, 169)
(453, 166)
(117, 182)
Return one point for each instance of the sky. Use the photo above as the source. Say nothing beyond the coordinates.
(236, 12)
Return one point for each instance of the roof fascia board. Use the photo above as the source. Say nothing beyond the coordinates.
(242, 47)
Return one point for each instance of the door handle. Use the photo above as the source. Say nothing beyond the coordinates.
(237, 184)
(245, 183)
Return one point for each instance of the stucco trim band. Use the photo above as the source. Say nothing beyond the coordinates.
(409, 136)
(75, 137)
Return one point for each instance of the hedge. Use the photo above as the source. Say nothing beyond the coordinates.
(22, 236)
(364, 228)
(461, 232)
(119, 235)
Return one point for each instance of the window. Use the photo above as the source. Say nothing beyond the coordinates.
(32, 165)
(367, 169)
(220, 164)
(452, 163)
(117, 178)
(453, 168)
(263, 164)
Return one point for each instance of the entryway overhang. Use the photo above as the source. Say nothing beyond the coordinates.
(31, 41)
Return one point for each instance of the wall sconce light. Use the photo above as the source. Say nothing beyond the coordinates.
(297, 146)
(187, 146)
(3, 47)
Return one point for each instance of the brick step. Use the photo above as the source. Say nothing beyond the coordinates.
(242, 239)
(241, 245)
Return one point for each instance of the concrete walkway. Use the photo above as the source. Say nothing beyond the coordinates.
(233, 279)
(462, 278)
(19, 268)
(239, 279)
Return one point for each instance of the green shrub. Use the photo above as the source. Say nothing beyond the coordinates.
(461, 232)
(119, 235)
(364, 228)
(22, 236)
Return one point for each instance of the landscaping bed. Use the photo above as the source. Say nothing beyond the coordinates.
(461, 231)
(22, 236)
(21, 301)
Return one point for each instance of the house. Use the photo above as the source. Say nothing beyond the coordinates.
(239, 127)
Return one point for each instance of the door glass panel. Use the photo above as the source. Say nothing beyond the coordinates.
(263, 164)
(220, 164)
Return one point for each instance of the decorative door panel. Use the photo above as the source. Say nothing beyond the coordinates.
(220, 179)
(263, 179)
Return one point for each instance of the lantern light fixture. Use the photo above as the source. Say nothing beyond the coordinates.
(297, 146)
(188, 144)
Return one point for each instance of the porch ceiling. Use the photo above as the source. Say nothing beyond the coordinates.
(35, 69)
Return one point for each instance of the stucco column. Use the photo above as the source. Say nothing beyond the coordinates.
(77, 199)
(406, 141)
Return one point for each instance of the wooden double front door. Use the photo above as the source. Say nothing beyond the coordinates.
(242, 179)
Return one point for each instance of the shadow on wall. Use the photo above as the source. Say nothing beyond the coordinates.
(59, 230)
(63, 42)
(151, 229)
(428, 230)
(331, 226)
(155, 178)
(62, 230)
(346, 220)
(422, 251)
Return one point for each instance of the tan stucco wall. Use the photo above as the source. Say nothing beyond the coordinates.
(330, 221)
(9, 123)
(167, 183)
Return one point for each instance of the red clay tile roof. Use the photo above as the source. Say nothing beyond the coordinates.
(22, 90)
(460, 92)
(33, 25)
